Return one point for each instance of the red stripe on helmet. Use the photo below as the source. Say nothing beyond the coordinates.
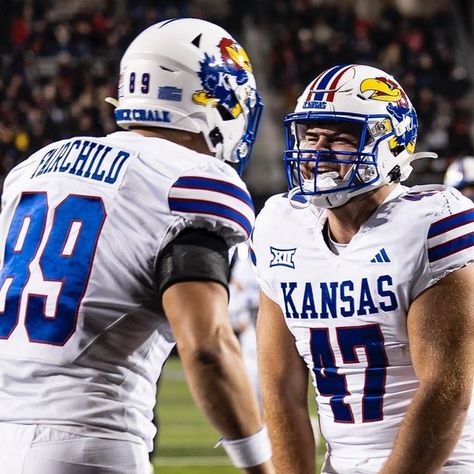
(333, 85)
(313, 84)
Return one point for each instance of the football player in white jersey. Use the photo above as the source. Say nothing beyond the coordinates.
(367, 285)
(113, 249)
(460, 174)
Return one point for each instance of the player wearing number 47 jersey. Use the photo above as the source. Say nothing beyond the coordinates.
(113, 249)
(366, 284)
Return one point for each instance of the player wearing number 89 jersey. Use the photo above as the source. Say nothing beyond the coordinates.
(368, 285)
(114, 249)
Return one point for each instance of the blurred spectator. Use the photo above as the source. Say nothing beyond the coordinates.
(59, 61)
(460, 174)
(310, 36)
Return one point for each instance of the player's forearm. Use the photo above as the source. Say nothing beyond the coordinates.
(285, 422)
(430, 430)
(220, 385)
(211, 357)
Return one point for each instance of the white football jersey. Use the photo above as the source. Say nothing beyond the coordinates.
(348, 312)
(82, 333)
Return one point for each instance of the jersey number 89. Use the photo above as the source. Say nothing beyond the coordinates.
(62, 261)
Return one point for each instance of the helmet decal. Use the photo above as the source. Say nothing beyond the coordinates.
(386, 90)
(216, 90)
(382, 88)
(407, 139)
(235, 57)
(325, 85)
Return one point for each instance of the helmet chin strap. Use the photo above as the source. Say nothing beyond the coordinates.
(338, 199)
(216, 150)
(323, 182)
(295, 204)
(330, 201)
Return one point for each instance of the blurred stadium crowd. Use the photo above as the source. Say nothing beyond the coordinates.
(59, 60)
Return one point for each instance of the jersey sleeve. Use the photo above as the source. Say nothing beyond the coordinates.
(213, 197)
(449, 240)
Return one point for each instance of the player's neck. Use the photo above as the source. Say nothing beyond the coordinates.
(193, 141)
(345, 221)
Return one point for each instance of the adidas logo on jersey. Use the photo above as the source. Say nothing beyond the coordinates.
(381, 257)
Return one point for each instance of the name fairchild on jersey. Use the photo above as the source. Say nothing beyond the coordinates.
(84, 158)
(335, 299)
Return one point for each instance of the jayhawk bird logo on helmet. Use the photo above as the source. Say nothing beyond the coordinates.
(387, 90)
(216, 90)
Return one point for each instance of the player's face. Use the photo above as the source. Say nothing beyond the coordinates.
(328, 136)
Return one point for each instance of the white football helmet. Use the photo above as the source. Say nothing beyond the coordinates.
(460, 175)
(189, 74)
(362, 95)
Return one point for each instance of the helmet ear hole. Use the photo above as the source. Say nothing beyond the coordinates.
(216, 137)
(397, 150)
(197, 41)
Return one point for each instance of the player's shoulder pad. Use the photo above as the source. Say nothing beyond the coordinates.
(264, 221)
(433, 200)
(279, 217)
(278, 210)
(213, 196)
(272, 203)
(20, 171)
(424, 193)
(270, 212)
(439, 198)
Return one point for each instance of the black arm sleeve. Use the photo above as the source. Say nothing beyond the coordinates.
(193, 255)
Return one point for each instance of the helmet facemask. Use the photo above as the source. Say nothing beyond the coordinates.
(236, 135)
(319, 172)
